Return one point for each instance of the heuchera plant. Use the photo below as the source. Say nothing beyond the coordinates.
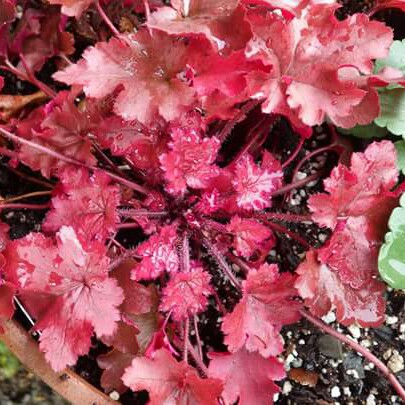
(163, 133)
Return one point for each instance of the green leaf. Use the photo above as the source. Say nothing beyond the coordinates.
(396, 57)
(391, 260)
(366, 131)
(400, 146)
(9, 365)
(392, 114)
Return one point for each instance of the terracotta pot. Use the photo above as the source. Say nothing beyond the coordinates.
(67, 383)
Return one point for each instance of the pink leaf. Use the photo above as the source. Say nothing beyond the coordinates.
(189, 163)
(323, 290)
(167, 380)
(364, 189)
(248, 377)
(267, 304)
(159, 254)
(86, 202)
(59, 126)
(149, 70)
(306, 55)
(82, 298)
(186, 294)
(254, 184)
(249, 234)
(114, 364)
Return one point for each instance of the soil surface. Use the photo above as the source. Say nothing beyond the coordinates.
(320, 370)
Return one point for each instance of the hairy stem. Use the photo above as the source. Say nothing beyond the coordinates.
(287, 217)
(230, 125)
(198, 361)
(142, 212)
(197, 337)
(185, 340)
(360, 349)
(222, 263)
(185, 254)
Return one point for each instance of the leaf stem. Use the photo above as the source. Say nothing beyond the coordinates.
(185, 254)
(197, 337)
(358, 348)
(287, 217)
(29, 77)
(292, 235)
(222, 263)
(34, 180)
(199, 362)
(107, 20)
(24, 206)
(297, 184)
(185, 340)
(142, 212)
(24, 196)
(128, 225)
(294, 154)
(72, 161)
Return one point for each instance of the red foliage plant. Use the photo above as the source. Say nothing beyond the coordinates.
(168, 183)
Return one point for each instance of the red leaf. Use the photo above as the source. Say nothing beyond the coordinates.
(86, 202)
(82, 298)
(362, 190)
(139, 143)
(248, 377)
(7, 14)
(59, 126)
(169, 381)
(352, 252)
(306, 56)
(189, 161)
(149, 69)
(323, 289)
(267, 304)
(186, 294)
(159, 254)
(114, 364)
(254, 184)
(249, 234)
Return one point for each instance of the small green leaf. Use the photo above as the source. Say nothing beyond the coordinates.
(400, 146)
(396, 57)
(391, 260)
(366, 131)
(9, 365)
(392, 114)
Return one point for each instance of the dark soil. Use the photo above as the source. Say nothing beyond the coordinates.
(321, 370)
(27, 389)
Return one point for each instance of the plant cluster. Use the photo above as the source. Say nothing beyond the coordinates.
(162, 131)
